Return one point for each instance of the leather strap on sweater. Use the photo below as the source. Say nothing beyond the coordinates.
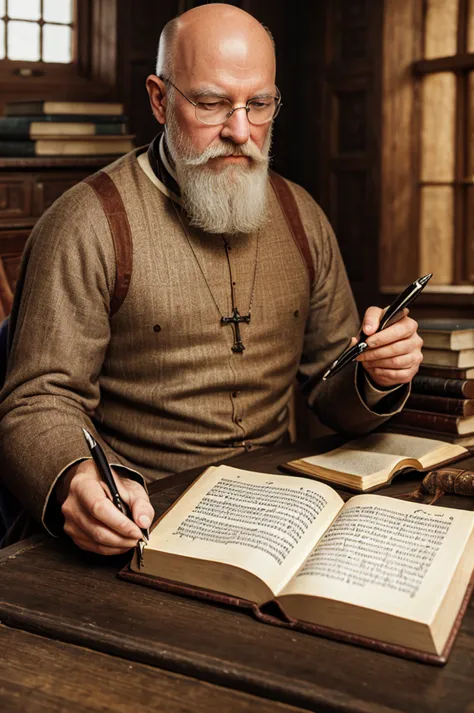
(293, 218)
(114, 209)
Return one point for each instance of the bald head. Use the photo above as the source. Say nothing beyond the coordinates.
(215, 34)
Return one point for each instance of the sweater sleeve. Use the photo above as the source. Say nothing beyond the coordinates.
(339, 402)
(60, 335)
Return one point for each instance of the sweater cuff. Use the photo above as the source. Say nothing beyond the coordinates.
(380, 400)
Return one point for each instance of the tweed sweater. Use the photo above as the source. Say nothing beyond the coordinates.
(158, 383)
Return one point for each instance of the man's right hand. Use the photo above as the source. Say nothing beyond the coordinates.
(90, 517)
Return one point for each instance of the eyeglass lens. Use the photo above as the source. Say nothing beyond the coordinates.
(218, 111)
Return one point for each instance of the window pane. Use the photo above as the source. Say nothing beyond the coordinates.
(57, 43)
(23, 41)
(24, 9)
(2, 8)
(470, 27)
(441, 28)
(57, 11)
(438, 126)
(437, 233)
(2, 39)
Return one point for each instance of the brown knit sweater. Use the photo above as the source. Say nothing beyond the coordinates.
(158, 383)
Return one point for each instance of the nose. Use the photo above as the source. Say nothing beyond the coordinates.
(237, 127)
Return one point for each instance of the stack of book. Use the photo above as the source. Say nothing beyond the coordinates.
(442, 400)
(54, 128)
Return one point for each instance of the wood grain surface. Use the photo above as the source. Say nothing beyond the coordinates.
(52, 589)
(41, 675)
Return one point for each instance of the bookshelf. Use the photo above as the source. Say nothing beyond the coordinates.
(28, 186)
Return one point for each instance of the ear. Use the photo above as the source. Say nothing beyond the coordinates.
(156, 89)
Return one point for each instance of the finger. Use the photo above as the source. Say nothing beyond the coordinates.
(93, 500)
(91, 546)
(371, 320)
(81, 526)
(404, 347)
(136, 497)
(403, 329)
(403, 361)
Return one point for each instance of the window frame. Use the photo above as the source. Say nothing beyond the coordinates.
(17, 76)
(402, 73)
(460, 65)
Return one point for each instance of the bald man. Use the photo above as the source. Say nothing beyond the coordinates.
(220, 316)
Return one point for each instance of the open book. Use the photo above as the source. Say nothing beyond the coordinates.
(373, 570)
(373, 460)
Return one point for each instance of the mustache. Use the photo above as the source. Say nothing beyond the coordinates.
(248, 149)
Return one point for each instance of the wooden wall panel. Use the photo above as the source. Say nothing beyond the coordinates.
(350, 176)
(399, 255)
(139, 26)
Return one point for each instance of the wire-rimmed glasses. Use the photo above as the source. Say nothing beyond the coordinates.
(217, 110)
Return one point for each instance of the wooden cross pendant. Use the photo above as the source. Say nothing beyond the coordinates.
(235, 320)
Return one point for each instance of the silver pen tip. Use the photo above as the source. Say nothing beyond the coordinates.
(90, 441)
(423, 280)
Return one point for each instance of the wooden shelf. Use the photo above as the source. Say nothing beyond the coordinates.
(55, 162)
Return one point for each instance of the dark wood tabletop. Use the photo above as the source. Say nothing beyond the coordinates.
(40, 675)
(57, 592)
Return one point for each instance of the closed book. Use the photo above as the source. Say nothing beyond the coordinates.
(446, 372)
(447, 333)
(435, 421)
(438, 386)
(30, 128)
(38, 108)
(441, 404)
(445, 357)
(375, 571)
(68, 146)
(467, 440)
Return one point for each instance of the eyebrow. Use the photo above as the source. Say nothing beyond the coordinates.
(213, 91)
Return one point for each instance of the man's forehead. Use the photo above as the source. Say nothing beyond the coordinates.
(233, 55)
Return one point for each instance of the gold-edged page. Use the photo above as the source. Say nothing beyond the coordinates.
(390, 556)
(264, 524)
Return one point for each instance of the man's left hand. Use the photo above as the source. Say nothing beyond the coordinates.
(394, 353)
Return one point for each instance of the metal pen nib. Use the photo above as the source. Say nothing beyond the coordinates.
(140, 548)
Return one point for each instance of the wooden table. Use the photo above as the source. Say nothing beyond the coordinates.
(68, 605)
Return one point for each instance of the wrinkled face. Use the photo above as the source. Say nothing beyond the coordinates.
(222, 169)
(238, 66)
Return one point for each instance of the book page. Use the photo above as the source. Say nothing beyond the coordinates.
(265, 524)
(388, 555)
(353, 461)
(374, 453)
(397, 444)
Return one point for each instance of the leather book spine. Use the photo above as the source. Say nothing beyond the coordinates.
(439, 386)
(445, 372)
(441, 404)
(423, 419)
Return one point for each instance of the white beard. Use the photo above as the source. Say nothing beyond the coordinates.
(232, 200)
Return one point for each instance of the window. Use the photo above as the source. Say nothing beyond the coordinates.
(427, 197)
(445, 79)
(37, 30)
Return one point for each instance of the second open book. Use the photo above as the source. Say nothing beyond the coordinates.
(376, 569)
